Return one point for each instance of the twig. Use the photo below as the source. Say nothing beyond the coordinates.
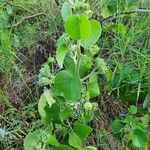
(83, 79)
(125, 13)
(26, 18)
(20, 7)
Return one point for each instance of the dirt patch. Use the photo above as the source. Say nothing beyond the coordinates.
(24, 79)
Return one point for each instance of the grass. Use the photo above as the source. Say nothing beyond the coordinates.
(21, 47)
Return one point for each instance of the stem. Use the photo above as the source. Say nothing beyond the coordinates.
(83, 79)
(78, 55)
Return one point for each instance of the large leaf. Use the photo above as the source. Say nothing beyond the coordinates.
(96, 31)
(139, 138)
(60, 54)
(82, 130)
(78, 27)
(93, 86)
(31, 140)
(74, 140)
(65, 10)
(69, 85)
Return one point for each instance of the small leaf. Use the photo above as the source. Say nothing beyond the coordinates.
(129, 3)
(122, 29)
(41, 105)
(65, 10)
(60, 54)
(146, 101)
(129, 119)
(82, 130)
(52, 140)
(139, 138)
(112, 6)
(116, 126)
(48, 97)
(85, 66)
(106, 12)
(78, 27)
(96, 31)
(66, 113)
(93, 86)
(146, 120)
(74, 140)
(132, 109)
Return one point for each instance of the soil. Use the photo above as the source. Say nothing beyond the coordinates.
(30, 61)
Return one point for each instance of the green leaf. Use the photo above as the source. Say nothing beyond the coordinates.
(52, 140)
(129, 3)
(66, 113)
(132, 109)
(31, 140)
(70, 65)
(41, 105)
(74, 140)
(69, 85)
(85, 66)
(96, 31)
(116, 126)
(82, 130)
(139, 138)
(78, 27)
(122, 29)
(65, 10)
(53, 113)
(129, 120)
(60, 54)
(146, 101)
(106, 12)
(112, 6)
(90, 148)
(93, 86)
(63, 147)
(145, 120)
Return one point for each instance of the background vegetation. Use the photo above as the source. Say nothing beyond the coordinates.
(28, 34)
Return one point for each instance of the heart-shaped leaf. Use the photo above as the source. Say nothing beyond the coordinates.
(78, 27)
(96, 31)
